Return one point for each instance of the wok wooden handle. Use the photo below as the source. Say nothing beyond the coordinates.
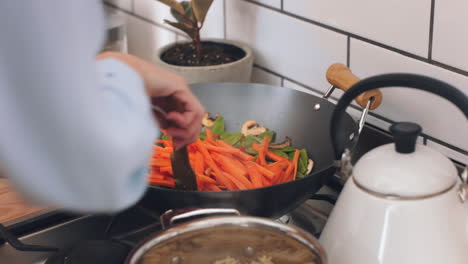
(341, 77)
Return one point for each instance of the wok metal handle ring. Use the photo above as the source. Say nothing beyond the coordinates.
(414, 81)
(172, 217)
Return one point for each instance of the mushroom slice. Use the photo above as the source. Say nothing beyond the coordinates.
(207, 121)
(310, 166)
(286, 143)
(251, 127)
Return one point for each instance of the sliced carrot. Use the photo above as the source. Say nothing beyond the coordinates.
(268, 173)
(210, 187)
(156, 176)
(166, 169)
(283, 164)
(205, 179)
(160, 162)
(221, 149)
(168, 183)
(295, 161)
(255, 176)
(265, 182)
(239, 173)
(274, 156)
(290, 173)
(238, 164)
(261, 153)
(210, 162)
(238, 182)
(166, 143)
(161, 149)
(238, 152)
(162, 155)
(209, 135)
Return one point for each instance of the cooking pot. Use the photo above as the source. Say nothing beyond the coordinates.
(224, 236)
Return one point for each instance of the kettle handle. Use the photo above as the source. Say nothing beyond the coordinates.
(408, 80)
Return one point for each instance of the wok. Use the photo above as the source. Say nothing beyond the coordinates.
(289, 113)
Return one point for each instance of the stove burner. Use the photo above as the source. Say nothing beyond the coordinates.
(91, 252)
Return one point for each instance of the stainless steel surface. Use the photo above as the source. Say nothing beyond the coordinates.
(159, 109)
(311, 216)
(362, 119)
(172, 217)
(62, 235)
(345, 166)
(463, 188)
(243, 222)
(329, 92)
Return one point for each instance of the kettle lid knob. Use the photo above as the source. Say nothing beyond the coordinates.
(405, 135)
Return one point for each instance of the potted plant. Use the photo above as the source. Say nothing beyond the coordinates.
(202, 60)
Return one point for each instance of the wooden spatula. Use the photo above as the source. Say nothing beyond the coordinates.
(184, 176)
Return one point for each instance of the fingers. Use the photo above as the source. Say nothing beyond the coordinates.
(182, 137)
(182, 119)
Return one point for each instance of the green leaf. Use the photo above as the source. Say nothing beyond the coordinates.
(173, 4)
(164, 137)
(279, 152)
(300, 175)
(288, 149)
(200, 8)
(202, 136)
(182, 26)
(218, 126)
(187, 11)
(303, 161)
(291, 156)
(247, 143)
(270, 134)
(231, 138)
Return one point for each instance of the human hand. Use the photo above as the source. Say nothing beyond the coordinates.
(172, 94)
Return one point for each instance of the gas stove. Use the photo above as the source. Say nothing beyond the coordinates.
(69, 238)
(65, 238)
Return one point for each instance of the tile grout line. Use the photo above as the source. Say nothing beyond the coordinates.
(133, 6)
(435, 63)
(143, 19)
(366, 40)
(348, 51)
(389, 121)
(431, 30)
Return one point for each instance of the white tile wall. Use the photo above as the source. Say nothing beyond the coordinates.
(261, 76)
(124, 4)
(272, 3)
(284, 44)
(457, 156)
(295, 86)
(401, 24)
(157, 12)
(144, 39)
(450, 43)
(355, 113)
(301, 51)
(439, 118)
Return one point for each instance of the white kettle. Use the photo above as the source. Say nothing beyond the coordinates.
(403, 203)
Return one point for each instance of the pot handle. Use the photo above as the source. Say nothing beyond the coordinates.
(341, 77)
(415, 81)
(177, 216)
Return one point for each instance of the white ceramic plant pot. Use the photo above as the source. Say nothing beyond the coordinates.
(237, 71)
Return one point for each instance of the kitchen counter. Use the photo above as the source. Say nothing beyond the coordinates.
(12, 207)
